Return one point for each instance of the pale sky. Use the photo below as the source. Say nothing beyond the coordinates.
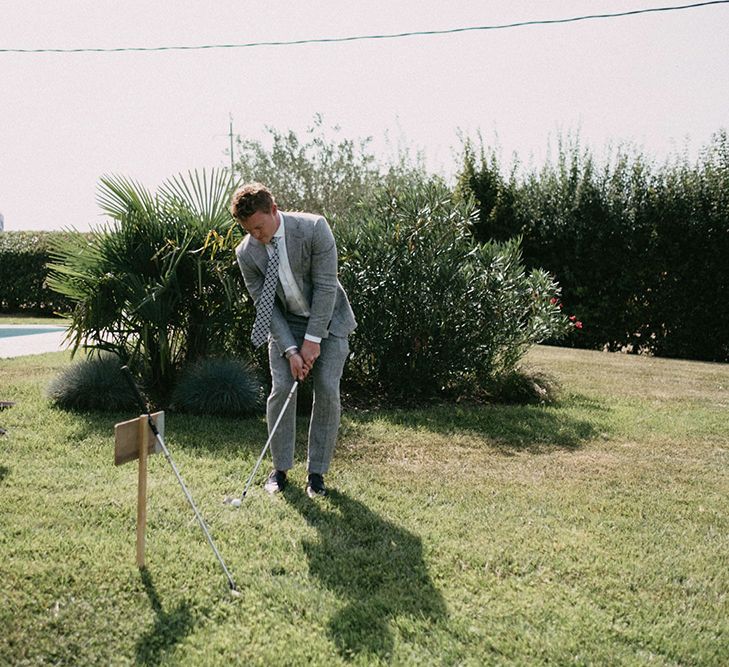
(658, 81)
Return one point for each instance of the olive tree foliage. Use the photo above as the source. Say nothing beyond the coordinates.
(322, 172)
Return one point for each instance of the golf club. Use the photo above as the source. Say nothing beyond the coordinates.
(235, 502)
(145, 409)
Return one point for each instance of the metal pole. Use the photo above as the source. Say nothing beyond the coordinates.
(232, 162)
(270, 437)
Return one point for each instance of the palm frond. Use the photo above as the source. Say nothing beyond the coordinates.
(205, 194)
(120, 197)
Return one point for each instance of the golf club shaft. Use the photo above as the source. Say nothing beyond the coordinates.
(200, 520)
(165, 451)
(270, 437)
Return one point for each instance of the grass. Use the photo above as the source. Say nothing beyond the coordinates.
(594, 531)
(9, 318)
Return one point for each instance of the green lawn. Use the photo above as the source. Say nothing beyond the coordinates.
(25, 319)
(595, 531)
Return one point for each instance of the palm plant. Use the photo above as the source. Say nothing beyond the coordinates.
(150, 286)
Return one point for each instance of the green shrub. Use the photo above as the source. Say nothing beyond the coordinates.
(639, 249)
(222, 386)
(23, 269)
(590, 227)
(93, 383)
(438, 315)
(493, 195)
(688, 306)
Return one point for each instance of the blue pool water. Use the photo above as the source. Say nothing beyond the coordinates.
(8, 332)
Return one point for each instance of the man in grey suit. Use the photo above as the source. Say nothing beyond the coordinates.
(289, 265)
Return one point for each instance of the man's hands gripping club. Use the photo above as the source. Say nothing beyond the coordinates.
(302, 362)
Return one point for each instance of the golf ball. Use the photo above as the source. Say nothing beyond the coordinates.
(235, 502)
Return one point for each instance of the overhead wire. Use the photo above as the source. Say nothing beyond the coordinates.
(355, 38)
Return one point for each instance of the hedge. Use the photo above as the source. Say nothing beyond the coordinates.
(23, 260)
(639, 249)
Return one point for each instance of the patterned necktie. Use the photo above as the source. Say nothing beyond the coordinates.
(264, 310)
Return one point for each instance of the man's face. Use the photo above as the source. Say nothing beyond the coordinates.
(262, 226)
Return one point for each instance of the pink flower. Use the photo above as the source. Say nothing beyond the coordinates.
(553, 300)
(578, 325)
(572, 318)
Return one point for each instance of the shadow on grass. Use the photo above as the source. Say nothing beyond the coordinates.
(220, 436)
(376, 567)
(3, 473)
(169, 627)
(510, 428)
(226, 436)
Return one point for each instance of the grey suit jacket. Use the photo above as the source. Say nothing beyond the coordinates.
(312, 255)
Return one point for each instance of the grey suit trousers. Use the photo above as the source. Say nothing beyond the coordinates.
(326, 409)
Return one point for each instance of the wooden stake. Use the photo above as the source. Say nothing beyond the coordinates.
(144, 431)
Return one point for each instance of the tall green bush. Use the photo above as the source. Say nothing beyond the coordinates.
(689, 305)
(590, 226)
(494, 195)
(438, 314)
(639, 248)
(149, 287)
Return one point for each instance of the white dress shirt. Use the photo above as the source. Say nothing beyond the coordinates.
(295, 301)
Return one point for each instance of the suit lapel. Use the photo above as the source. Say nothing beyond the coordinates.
(294, 246)
(294, 252)
(259, 255)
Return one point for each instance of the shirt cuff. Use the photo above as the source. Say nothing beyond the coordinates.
(313, 339)
(288, 350)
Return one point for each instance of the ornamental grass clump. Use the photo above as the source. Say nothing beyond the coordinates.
(222, 386)
(525, 386)
(93, 383)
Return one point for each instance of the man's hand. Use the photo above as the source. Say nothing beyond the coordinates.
(310, 353)
(298, 369)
